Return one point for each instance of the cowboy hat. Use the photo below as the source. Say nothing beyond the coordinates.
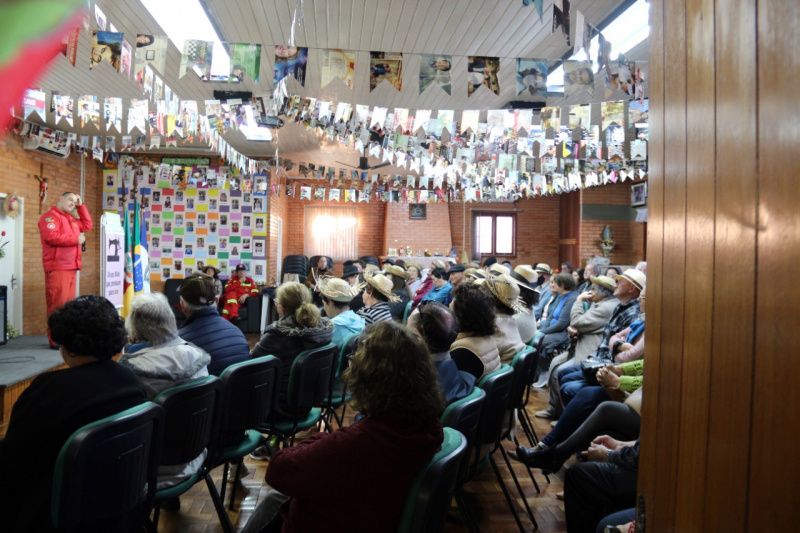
(335, 289)
(525, 276)
(636, 277)
(382, 284)
(543, 268)
(499, 269)
(506, 291)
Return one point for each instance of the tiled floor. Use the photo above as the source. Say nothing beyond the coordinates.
(483, 495)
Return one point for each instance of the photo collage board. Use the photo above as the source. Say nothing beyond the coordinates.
(194, 216)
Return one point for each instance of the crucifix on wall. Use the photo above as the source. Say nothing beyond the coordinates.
(42, 186)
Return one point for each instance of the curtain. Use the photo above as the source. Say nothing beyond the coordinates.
(331, 231)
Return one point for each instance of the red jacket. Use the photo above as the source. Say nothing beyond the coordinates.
(59, 233)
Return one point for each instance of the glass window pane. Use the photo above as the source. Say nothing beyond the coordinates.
(505, 235)
(484, 235)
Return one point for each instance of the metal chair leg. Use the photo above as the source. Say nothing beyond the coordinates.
(235, 485)
(505, 492)
(530, 472)
(463, 510)
(219, 506)
(519, 488)
(156, 513)
(225, 467)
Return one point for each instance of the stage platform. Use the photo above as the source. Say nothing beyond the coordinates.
(21, 360)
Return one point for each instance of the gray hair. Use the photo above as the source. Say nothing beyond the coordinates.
(601, 291)
(151, 320)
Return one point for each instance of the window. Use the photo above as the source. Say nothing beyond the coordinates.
(494, 233)
(331, 231)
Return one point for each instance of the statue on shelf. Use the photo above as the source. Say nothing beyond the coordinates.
(607, 243)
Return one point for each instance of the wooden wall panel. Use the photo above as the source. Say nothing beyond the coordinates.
(774, 486)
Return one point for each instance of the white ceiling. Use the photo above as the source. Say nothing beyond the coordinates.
(504, 28)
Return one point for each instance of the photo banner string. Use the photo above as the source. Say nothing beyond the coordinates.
(297, 18)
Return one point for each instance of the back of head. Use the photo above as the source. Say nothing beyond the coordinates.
(436, 324)
(565, 281)
(392, 375)
(438, 273)
(474, 309)
(198, 291)
(490, 261)
(295, 298)
(151, 320)
(88, 325)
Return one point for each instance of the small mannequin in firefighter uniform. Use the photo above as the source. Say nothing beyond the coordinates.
(62, 237)
(237, 290)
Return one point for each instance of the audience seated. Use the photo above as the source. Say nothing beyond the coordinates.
(214, 273)
(455, 275)
(525, 277)
(442, 290)
(586, 329)
(424, 287)
(415, 279)
(298, 328)
(378, 294)
(357, 478)
(89, 332)
(543, 282)
(397, 275)
(161, 359)
(629, 286)
(156, 354)
(507, 303)
(588, 273)
(437, 326)
(475, 348)
(206, 329)
(554, 324)
(238, 289)
(336, 297)
(353, 275)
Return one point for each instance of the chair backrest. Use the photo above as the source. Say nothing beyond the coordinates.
(523, 365)
(295, 264)
(248, 394)
(428, 499)
(407, 311)
(464, 414)
(107, 468)
(188, 418)
(497, 386)
(310, 378)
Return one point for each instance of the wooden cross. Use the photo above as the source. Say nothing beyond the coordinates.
(42, 186)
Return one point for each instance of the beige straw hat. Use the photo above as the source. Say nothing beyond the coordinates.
(604, 281)
(506, 291)
(336, 289)
(499, 269)
(382, 284)
(395, 270)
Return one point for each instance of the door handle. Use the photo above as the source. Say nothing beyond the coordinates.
(13, 281)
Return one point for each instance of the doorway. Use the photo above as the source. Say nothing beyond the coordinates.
(11, 265)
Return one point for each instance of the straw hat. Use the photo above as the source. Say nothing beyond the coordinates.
(438, 263)
(382, 284)
(474, 273)
(506, 291)
(604, 281)
(335, 289)
(543, 268)
(636, 277)
(499, 269)
(371, 268)
(525, 276)
(395, 270)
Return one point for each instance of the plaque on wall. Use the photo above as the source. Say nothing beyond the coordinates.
(417, 211)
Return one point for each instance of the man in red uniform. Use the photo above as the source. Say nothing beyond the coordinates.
(237, 290)
(62, 236)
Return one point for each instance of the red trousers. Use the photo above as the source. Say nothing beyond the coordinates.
(59, 288)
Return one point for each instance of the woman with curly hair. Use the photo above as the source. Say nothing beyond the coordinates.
(356, 479)
(475, 348)
(89, 332)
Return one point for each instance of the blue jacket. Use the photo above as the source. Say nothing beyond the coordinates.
(442, 295)
(224, 341)
(455, 383)
(346, 325)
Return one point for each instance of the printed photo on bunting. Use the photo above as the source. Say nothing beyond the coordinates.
(482, 71)
(638, 117)
(70, 45)
(34, 102)
(197, 56)
(245, 59)
(561, 17)
(385, 66)
(339, 64)
(100, 18)
(621, 77)
(551, 118)
(62, 108)
(290, 61)
(89, 110)
(578, 77)
(580, 118)
(150, 49)
(532, 77)
(613, 121)
(126, 59)
(137, 115)
(435, 69)
(107, 46)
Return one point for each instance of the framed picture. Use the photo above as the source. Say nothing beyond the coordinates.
(417, 211)
(639, 194)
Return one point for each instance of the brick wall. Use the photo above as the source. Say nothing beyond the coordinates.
(537, 228)
(18, 168)
(628, 235)
(278, 210)
(432, 234)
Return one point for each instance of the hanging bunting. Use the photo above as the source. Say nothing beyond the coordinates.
(70, 44)
(385, 66)
(245, 59)
(581, 42)
(435, 69)
(482, 71)
(34, 102)
(197, 56)
(337, 64)
(150, 50)
(578, 77)
(137, 115)
(561, 17)
(532, 77)
(469, 120)
(290, 61)
(89, 111)
(62, 108)
(126, 59)
(107, 46)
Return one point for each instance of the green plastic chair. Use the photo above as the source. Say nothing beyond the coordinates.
(107, 469)
(407, 311)
(428, 498)
(338, 395)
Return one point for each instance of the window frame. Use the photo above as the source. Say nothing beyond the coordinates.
(494, 215)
